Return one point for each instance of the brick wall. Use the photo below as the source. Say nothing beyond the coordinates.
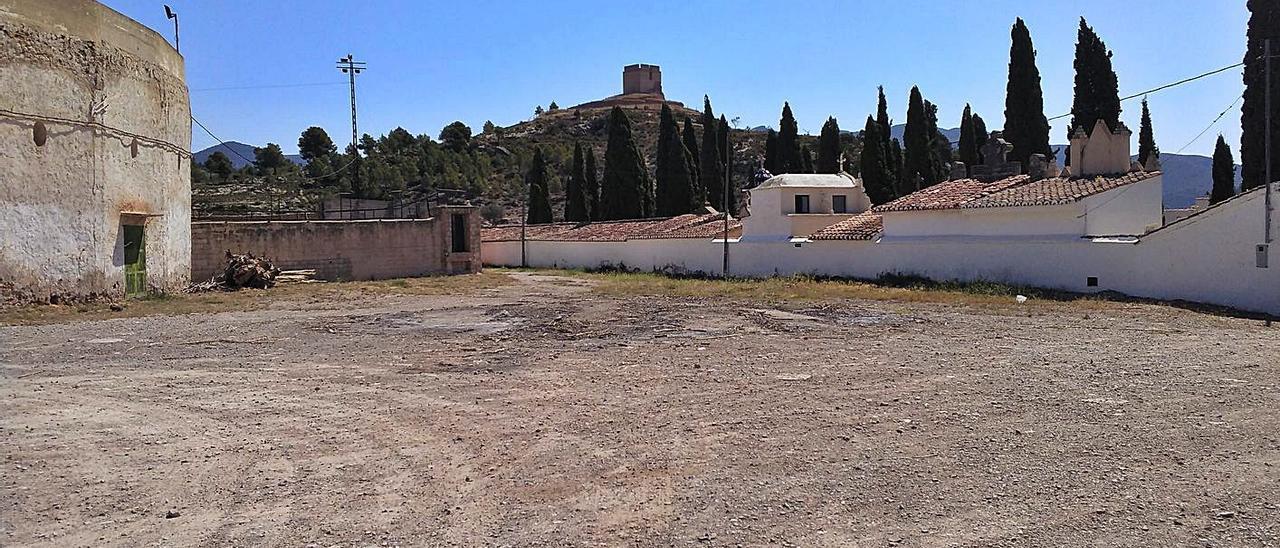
(343, 250)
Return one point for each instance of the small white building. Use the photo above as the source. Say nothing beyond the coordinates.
(795, 205)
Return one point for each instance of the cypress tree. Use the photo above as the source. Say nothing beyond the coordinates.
(1025, 126)
(968, 147)
(940, 146)
(625, 192)
(592, 188)
(1146, 141)
(575, 206)
(1097, 93)
(723, 133)
(771, 153)
(921, 158)
(886, 136)
(896, 166)
(1264, 22)
(539, 204)
(675, 171)
(710, 163)
(829, 147)
(806, 159)
(789, 160)
(980, 135)
(690, 138)
(874, 161)
(1224, 173)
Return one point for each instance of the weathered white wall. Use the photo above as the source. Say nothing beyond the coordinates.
(1058, 221)
(94, 78)
(1209, 259)
(1132, 209)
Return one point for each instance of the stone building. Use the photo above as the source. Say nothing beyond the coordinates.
(95, 194)
(641, 87)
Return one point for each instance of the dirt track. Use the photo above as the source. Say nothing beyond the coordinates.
(542, 414)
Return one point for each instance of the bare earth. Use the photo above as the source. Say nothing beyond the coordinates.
(542, 413)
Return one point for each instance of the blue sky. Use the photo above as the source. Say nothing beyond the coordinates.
(434, 62)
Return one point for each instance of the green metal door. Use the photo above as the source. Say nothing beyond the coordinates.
(135, 260)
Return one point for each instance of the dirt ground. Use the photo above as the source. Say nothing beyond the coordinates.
(545, 413)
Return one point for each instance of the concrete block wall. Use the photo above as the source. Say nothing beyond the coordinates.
(341, 250)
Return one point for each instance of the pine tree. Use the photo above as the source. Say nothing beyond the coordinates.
(829, 147)
(968, 147)
(575, 206)
(1097, 93)
(626, 191)
(877, 179)
(1146, 141)
(730, 202)
(1264, 22)
(675, 169)
(921, 157)
(1224, 173)
(710, 163)
(539, 204)
(789, 160)
(592, 188)
(1025, 126)
(771, 153)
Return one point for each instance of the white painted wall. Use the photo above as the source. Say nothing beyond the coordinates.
(1059, 221)
(773, 215)
(1209, 259)
(1132, 209)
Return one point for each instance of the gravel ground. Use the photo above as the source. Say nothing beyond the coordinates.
(541, 413)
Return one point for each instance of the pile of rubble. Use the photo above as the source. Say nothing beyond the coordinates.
(242, 270)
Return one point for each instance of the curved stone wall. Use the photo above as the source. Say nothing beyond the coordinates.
(95, 133)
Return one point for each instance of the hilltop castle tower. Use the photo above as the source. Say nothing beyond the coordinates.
(642, 78)
(641, 88)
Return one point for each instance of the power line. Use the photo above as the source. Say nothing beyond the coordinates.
(242, 157)
(1211, 124)
(272, 86)
(1167, 86)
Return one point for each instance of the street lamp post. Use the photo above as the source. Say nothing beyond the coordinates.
(168, 12)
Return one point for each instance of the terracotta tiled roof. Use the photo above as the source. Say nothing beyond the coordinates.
(1057, 191)
(863, 226)
(709, 225)
(1015, 191)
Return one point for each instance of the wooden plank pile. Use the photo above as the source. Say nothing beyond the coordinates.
(303, 276)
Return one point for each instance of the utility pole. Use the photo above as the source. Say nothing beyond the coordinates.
(351, 68)
(728, 169)
(1267, 205)
(524, 221)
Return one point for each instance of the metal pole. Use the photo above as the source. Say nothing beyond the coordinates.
(524, 221)
(728, 169)
(168, 12)
(352, 67)
(1266, 238)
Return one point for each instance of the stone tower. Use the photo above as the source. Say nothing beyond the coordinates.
(642, 78)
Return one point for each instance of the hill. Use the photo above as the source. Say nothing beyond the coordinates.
(231, 148)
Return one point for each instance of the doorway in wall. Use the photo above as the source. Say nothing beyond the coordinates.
(135, 260)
